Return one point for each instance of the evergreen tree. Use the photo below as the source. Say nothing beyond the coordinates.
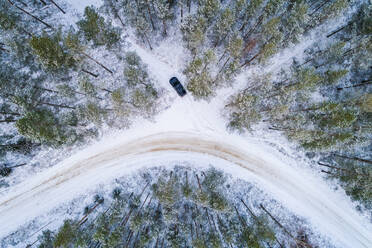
(94, 28)
(46, 239)
(92, 112)
(295, 23)
(201, 83)
(223, 26)
(135, 72)
(193, 32)
(66, 235)
(208, 8)
(41, 125)
(163, 12)
(51, 53)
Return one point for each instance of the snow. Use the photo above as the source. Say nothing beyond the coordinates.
(81, 4)
(194, 132)
(191, 131)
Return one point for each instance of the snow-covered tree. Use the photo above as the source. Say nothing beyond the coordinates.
(94, 28)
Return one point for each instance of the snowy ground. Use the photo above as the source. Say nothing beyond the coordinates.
(192, 131)
(188, 131)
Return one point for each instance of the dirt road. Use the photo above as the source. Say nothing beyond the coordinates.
(302, 194)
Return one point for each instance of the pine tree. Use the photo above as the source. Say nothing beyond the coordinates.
(66, 235)
(243, 112)
(142, 29)
(120, 105)
(247, 10)
(201, 83)
(46, 239)
(92, 112)
(329, 11)
(135, 72)
(40, 125)
(223, 26)
(193, 32)
(163, 12)
(103, 230)
(208, 8)
(95, 29)
(87, 87)
(51, 53)
(295, 22)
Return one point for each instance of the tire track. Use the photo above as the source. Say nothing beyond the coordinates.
(282, 180)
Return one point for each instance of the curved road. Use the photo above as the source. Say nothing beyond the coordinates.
(310, 199)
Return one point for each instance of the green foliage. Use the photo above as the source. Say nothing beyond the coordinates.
(218, 202)
(92, 112)
(270, 29)
(213, 179)
(66, 234)
(187, 191)
(8, 19)
(46, 239)
(214, 241)
(166, 191)
(201, 84)
(143, 94)
(72, 41)
(273, 6)
(252, 8)
(332, 77)
(364, 20)
(193, 32)
(366, 103)
(208, 8)
(42, 126)
(296, 21)
(135, 72)
(325, 141)
(103, 229)
(121, 107)
(242, 112)
(66, 90)
(235, 46)
(95, 29)
(355, 179)
(87, 87)
(51, 53)
(144, 99)
(136, 222)
(163, 12)
(262, 230)
(199, 243)
(247, 238)
(164, 215)
(142, 27)
(223, 26)
(306, 79)
(335, 8)
(267, 51)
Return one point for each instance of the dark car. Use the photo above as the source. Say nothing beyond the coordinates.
(177, 86)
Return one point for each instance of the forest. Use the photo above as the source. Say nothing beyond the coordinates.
(177, 208)
(62, 83)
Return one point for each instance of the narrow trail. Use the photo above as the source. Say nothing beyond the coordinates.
(75, 175)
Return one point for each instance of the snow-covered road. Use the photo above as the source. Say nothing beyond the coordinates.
(165, 140)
